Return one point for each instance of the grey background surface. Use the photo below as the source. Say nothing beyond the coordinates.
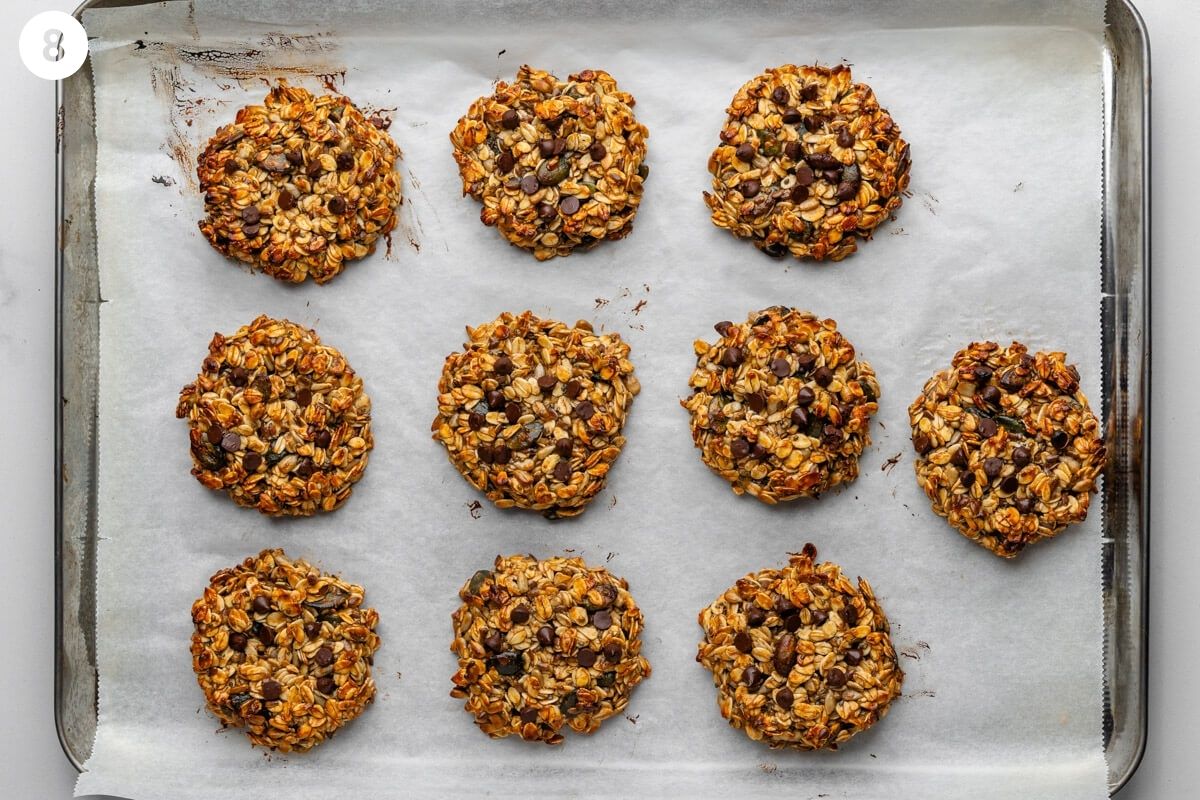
(33, 766)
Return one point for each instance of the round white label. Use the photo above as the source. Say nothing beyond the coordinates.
(53, 45)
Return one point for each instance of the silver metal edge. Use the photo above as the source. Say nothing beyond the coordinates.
(1116, 783)
(1120, 774)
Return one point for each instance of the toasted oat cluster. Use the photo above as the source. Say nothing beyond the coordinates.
(277, 419)
(299, 186)
(800, 657)
(780, 405)
(808, 163)
(557, 165)
(531, 411)
(1008, 450)
(283, 650)
(542, 644)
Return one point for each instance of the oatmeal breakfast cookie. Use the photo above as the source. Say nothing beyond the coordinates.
(543, 643)
(557, 164)
(800, 657)
(283, 650)
(780, 405)
(808, 163)
(277, 419)
(531, 411)
(1008, 450)
(299, 186)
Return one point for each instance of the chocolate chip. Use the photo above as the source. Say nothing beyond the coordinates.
(849, 615)
(968, 479)
(324, 656)
(602, 620)
(753, 678)
(529, 184)
(493, 642)
(306, 468)
(562, 472)
(512, 411)
(798, 194)
(505, 162)
(1012, 381)
(502, 366)
(853, 657)
(781, 95)
(757, 402)
(585, 410)
(990, 394)
(286, 200)
(822, 161)
(597, 152)
(501, 454)
(231, 166)
(214, 434)
(546, 147)
(845, 138)
(992, 467)
(799, 418)
(529, 716)
(612, 650)
(755, 616)
(344, 161)
(546, 211)
(1025, 505)
(819, 617)
(294, 157)
(271, 690)
(723, 327)
(586, 657)
(562, 447)
(261, 604)
(507, 663)
(732, 356)
(545, 636)
(784, 697)
(323, 439)
(745, 152)
(239, 376)
(1058, 439)
(791, 116)
(313, 169)
(251, 214)
(739, 448)
(804, 175)
(304, 398)
(1009, 484)
(326, 684)
(312, 629)
(510, 120)
(832, 434)
(784, 606)
(336, 205)
(805, 396)
(835, 678)
(494, 399)
(573, 389)
(823, 376)
(1020, 456)
(792, 623)
(237, 642)
(569, 205)
(846, 191)
(266, 636)
(252, 462)
(813, 124)
(959, 457)
(750, 188)
(987, 427)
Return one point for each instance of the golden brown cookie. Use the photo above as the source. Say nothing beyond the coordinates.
(299, 186)
(531, 411)
(800, 657)
(283, 650)
(780, 405)
(277, 419)
(543, 644)
(808, 163)
(1008, 449)
(557, 165)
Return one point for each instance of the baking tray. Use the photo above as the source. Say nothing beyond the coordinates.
(1125, 253)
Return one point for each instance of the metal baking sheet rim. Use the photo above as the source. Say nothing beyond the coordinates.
(1126, 332)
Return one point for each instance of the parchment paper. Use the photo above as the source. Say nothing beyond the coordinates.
(999, 239)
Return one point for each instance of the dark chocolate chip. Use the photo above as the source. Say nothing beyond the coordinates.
(750, 188)
(323, 439)
(845, 138)
(757, 402)
(1059, 440)
(990, 394)
(799, 418)
(853, 657)
(501, 454)
(509, 120)
(509, 663)
(983, 373)
(585, 410)
(959, 457)
(239, 376)
(252, 462)
(732, 356)
(793, 622)
(791, 116)
(968, 479)
(271, 690)
(753, 678)
(214, 434)
(344, 161)
(602, 620)
(743, 642)
(286, 200)
(755, 616)
(1012, 381)
(823, 376)
(546, 211)
(784, 697)
(304, 398)
(312, 629)
(804, 175)
(781, 367)
(512, 411)
(835, 678)
(922, 443)
(495, 399)
(597, 151)
(819, 617)
(992, 467)
(562, 472)
(849, 614)
(251, 214)
(813, 124)
(784, 606)
(846, 191)
(1025, 505)
(326, 684)
(723, 327)
(822, 161)
(324, 656)
(261, 604)
(569, 205)
(502, 366)
(493, 642)
(781, 96)
(1009, 484)
(529, 184)
(798, 194)
(505, 162)
(987, 427)
(237, 642)
(612, 650)
(336, 205)
(586, 657)
(545, 636)
(1021, 456)
(745, 152)
(805, 396)
(739, 448)
(563, 446)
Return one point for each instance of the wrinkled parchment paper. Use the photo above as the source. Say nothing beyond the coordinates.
(999, 239)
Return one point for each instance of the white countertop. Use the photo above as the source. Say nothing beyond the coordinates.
(32, 764)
